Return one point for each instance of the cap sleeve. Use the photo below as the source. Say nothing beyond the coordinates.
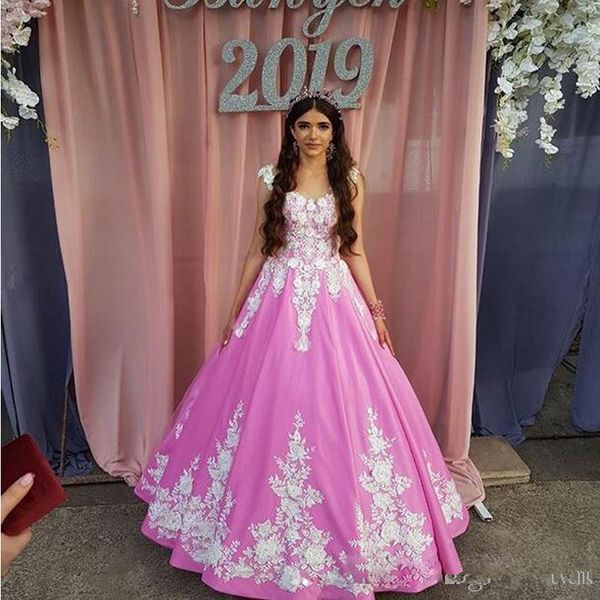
(354, 174)
(267, 173)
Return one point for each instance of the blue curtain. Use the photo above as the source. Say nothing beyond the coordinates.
(541, 272)
(36, 347)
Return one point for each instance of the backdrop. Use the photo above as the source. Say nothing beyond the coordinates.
(155, 202)
(541, 273)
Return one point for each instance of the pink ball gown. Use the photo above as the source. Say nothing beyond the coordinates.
(300, 463)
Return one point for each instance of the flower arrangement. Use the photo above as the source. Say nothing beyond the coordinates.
(526, 35)
(15, 35)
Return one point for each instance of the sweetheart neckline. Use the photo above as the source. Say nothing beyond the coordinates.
(314, 200)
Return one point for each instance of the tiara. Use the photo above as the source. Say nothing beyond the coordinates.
(306, 93)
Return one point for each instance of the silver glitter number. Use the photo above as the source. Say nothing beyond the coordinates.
(364, 73)
(231, 102)
(228, 101)
(322, 52)
(271, 68)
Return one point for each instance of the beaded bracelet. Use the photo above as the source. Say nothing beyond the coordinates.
(376, 309)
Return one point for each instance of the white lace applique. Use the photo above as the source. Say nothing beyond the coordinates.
(268, 175)
(393, 542)
(152, 475)
(182, 420)
(313, 256)
(199, 522)
(254, 301)
(290, 550)
(446, 492)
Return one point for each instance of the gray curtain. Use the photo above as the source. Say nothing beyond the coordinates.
(541, 271)
(36, 347)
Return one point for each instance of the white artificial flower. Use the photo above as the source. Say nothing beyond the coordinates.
(546, 134)
(18, 90)
(21, 36)
(9, 122)
(547, 6)
(528, 65)
(525, 36)
(15, 35)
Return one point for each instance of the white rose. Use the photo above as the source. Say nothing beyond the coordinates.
(290, 579)
(294, 490)
(382, 472)
(212, 555)
(315, 556)
(390, 531)
(21, 36)
(10, 122)
(267, 550)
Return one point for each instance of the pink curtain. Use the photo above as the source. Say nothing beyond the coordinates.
(154, 194)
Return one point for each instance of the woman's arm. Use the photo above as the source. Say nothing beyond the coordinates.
(254, 258)
(359, 265)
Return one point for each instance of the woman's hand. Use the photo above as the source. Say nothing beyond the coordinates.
(227, 330)
(13, 545)
(384, 336)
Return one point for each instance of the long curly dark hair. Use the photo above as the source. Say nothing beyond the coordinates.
(273, 229)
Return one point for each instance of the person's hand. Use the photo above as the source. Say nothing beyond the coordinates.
(13, 545)
(227, 330)
(384, 336)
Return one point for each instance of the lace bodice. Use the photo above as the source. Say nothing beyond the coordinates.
(314, 257)
(309, 222)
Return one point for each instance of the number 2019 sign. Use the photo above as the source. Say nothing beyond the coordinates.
(229, 101)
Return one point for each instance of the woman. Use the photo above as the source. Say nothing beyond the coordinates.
(300, 463)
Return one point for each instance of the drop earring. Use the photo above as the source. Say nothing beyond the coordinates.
(295, 146)
(330, 151)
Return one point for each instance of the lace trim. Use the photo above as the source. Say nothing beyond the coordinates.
(447, 494)
(153, 474)
(289, 550)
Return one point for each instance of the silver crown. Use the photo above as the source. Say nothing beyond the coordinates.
(306, 93)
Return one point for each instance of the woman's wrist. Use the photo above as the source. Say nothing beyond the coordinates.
(376, 309)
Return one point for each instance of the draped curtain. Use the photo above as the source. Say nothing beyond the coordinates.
(36, 349)
(541, 273)
(155, 198)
